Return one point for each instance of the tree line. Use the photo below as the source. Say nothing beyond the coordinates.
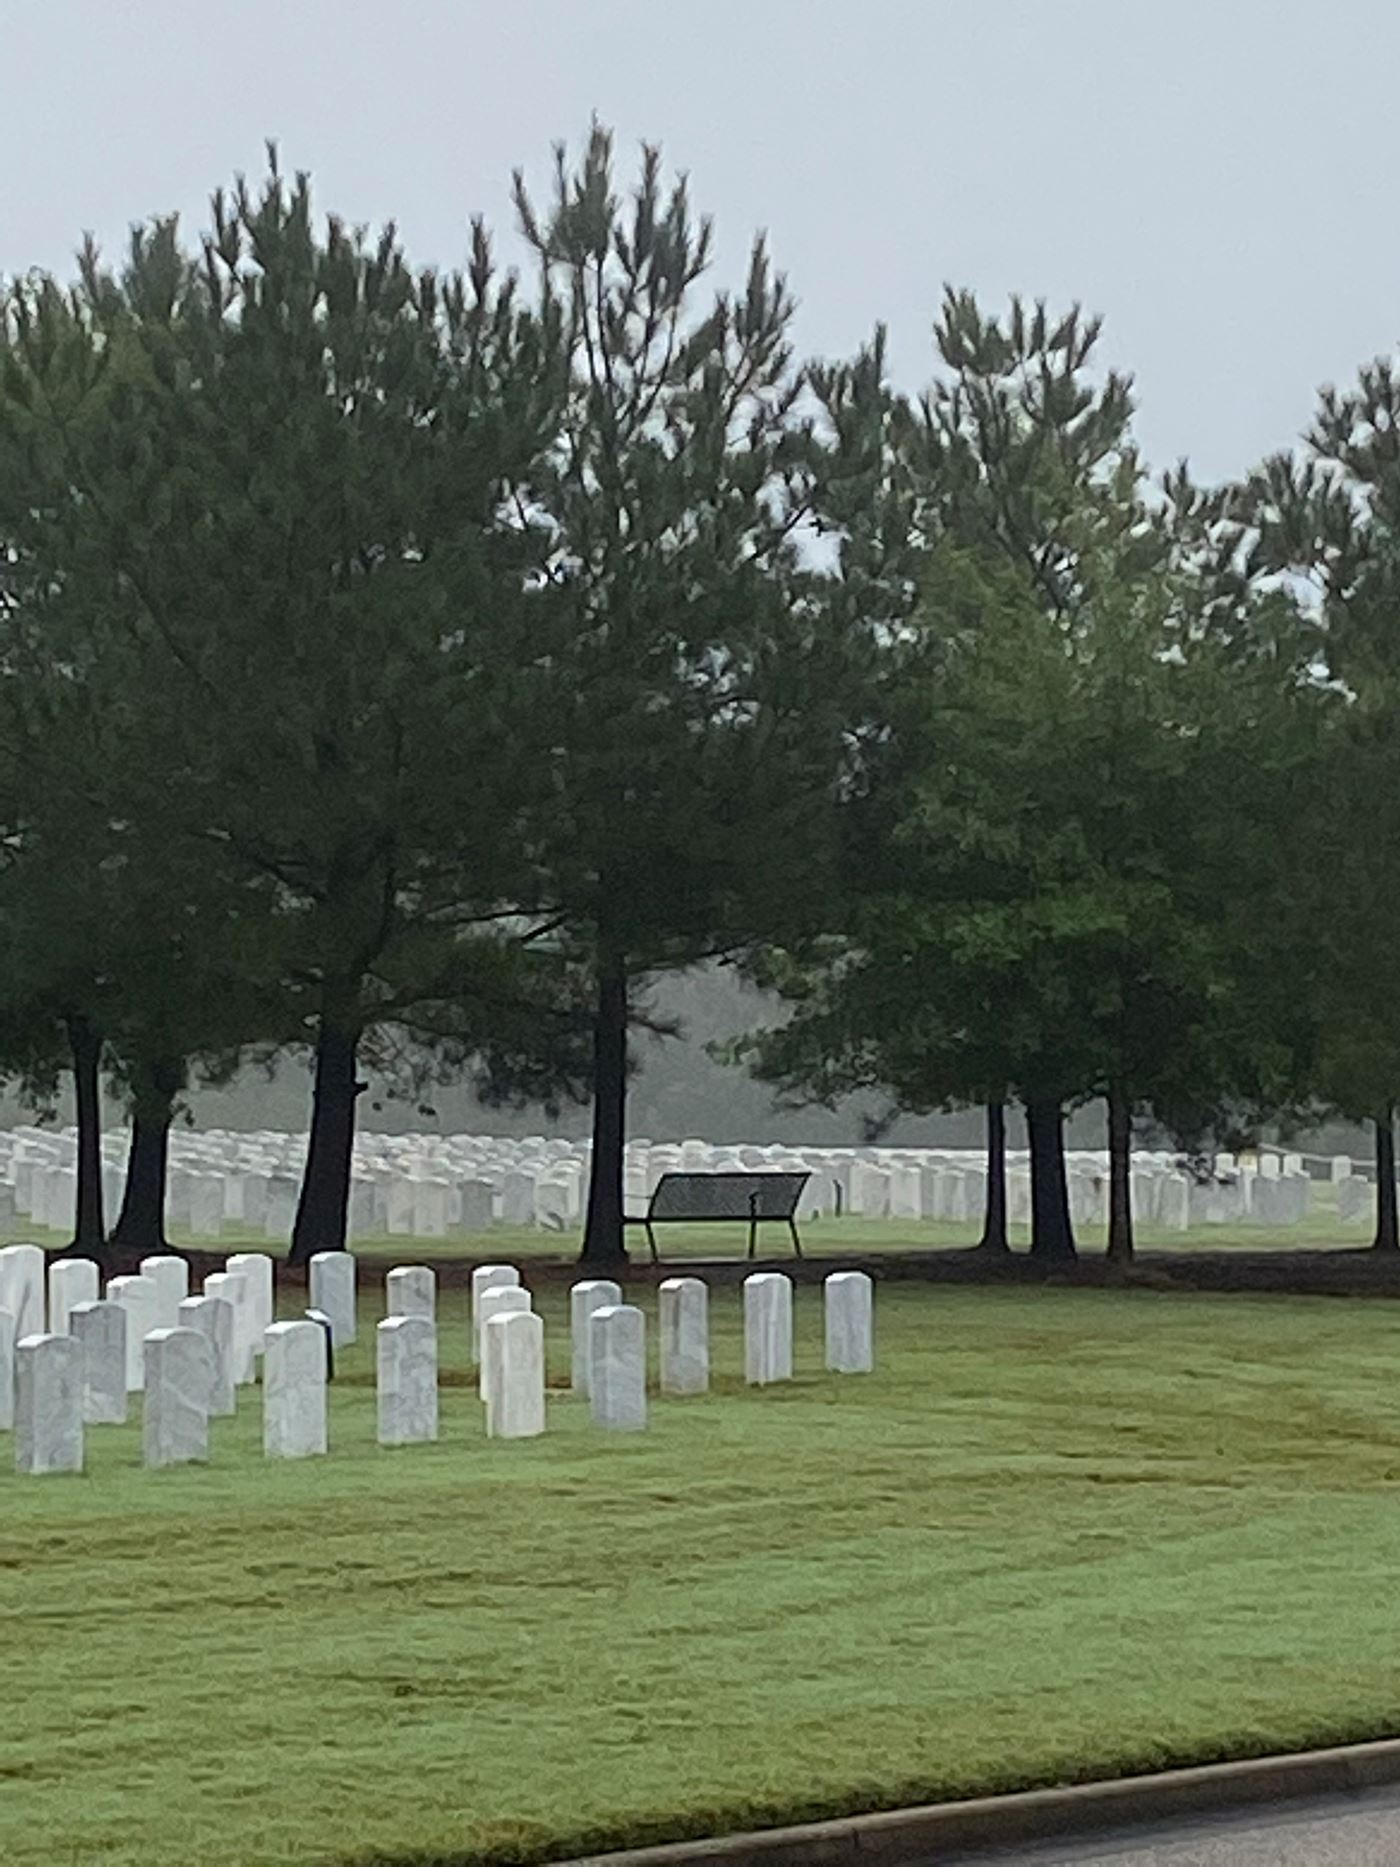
(408, 666)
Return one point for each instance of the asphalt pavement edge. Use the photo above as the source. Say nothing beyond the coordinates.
(898, 1837)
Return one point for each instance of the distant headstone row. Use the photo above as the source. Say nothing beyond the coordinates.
(188, 1355)
(433, 1186)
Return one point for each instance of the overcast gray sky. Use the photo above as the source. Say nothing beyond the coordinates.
(1217, 177)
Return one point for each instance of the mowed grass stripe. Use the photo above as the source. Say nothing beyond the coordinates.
(1058, 1533)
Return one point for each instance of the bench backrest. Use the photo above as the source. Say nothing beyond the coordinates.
(727, 1195)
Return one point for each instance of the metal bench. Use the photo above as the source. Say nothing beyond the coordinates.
(711, 1198)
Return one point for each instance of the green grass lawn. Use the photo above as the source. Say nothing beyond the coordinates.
(1058, 1533)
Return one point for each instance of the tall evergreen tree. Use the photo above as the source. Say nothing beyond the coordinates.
(1044, 899)
(279, 524)
(694, 696)
(1331, 517)
(1028, 449)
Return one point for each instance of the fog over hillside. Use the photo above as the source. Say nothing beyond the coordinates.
(679, 1091)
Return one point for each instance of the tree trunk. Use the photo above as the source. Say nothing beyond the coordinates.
(140, 1225)
(1120, 1177)
(994, 1239)
(89, 1233)
(1387, 1230)
(324, 1203)
(1052, 1235)
(603, 1241)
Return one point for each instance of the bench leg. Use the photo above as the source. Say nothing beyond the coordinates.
(796, 1241)
(651, 1240)
(753, 1236)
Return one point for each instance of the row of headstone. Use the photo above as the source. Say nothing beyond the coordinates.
(152, 1297)
(188, 1355)
(433, 1186)
(608, 1355)
(145, 1333)
(608, 1364)
(62, 1384)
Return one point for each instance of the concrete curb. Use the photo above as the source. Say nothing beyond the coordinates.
(904, 1837)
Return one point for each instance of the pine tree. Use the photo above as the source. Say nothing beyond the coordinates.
(1331, 517)
(689, 731)
(1042, 898)
(266, 482)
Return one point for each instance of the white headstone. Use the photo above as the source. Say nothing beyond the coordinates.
(7, 1369)
(214, 1318)
(518, 1198)
(171, 1277)
(635, 1190)
(206, 1205)
(488, 1277)
(850, 1323)
(767, 1328)
(556, 1201)
(870, 1190)
(593, 1294)
(683, 1305)
(500, 1300)
(476, 1206)
(255, 1193)
(234, 1186)
(1298, 1197)
(100, 1328)
(513, 1363)
(1174, 1203)
(359, 1220)
(279, 1206)
(1247, 1178)
(617, 1372)
(906, 1192)
(400, 1207)
(22, 1287)
(61, 1205)
(430, 1208)
(294, 1390)
(256, 1266)
(1266, 1200)
(71, 1281)
(232, 1288)
(48, 1404)
(177, 1195)
(406, 1349)
(140, 1298)
(411, 1290)
(1355, 1199)
(333, 1290)
(179, 1366)
(1144, 1191)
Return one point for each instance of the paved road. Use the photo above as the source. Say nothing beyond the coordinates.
(1359, 1830)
